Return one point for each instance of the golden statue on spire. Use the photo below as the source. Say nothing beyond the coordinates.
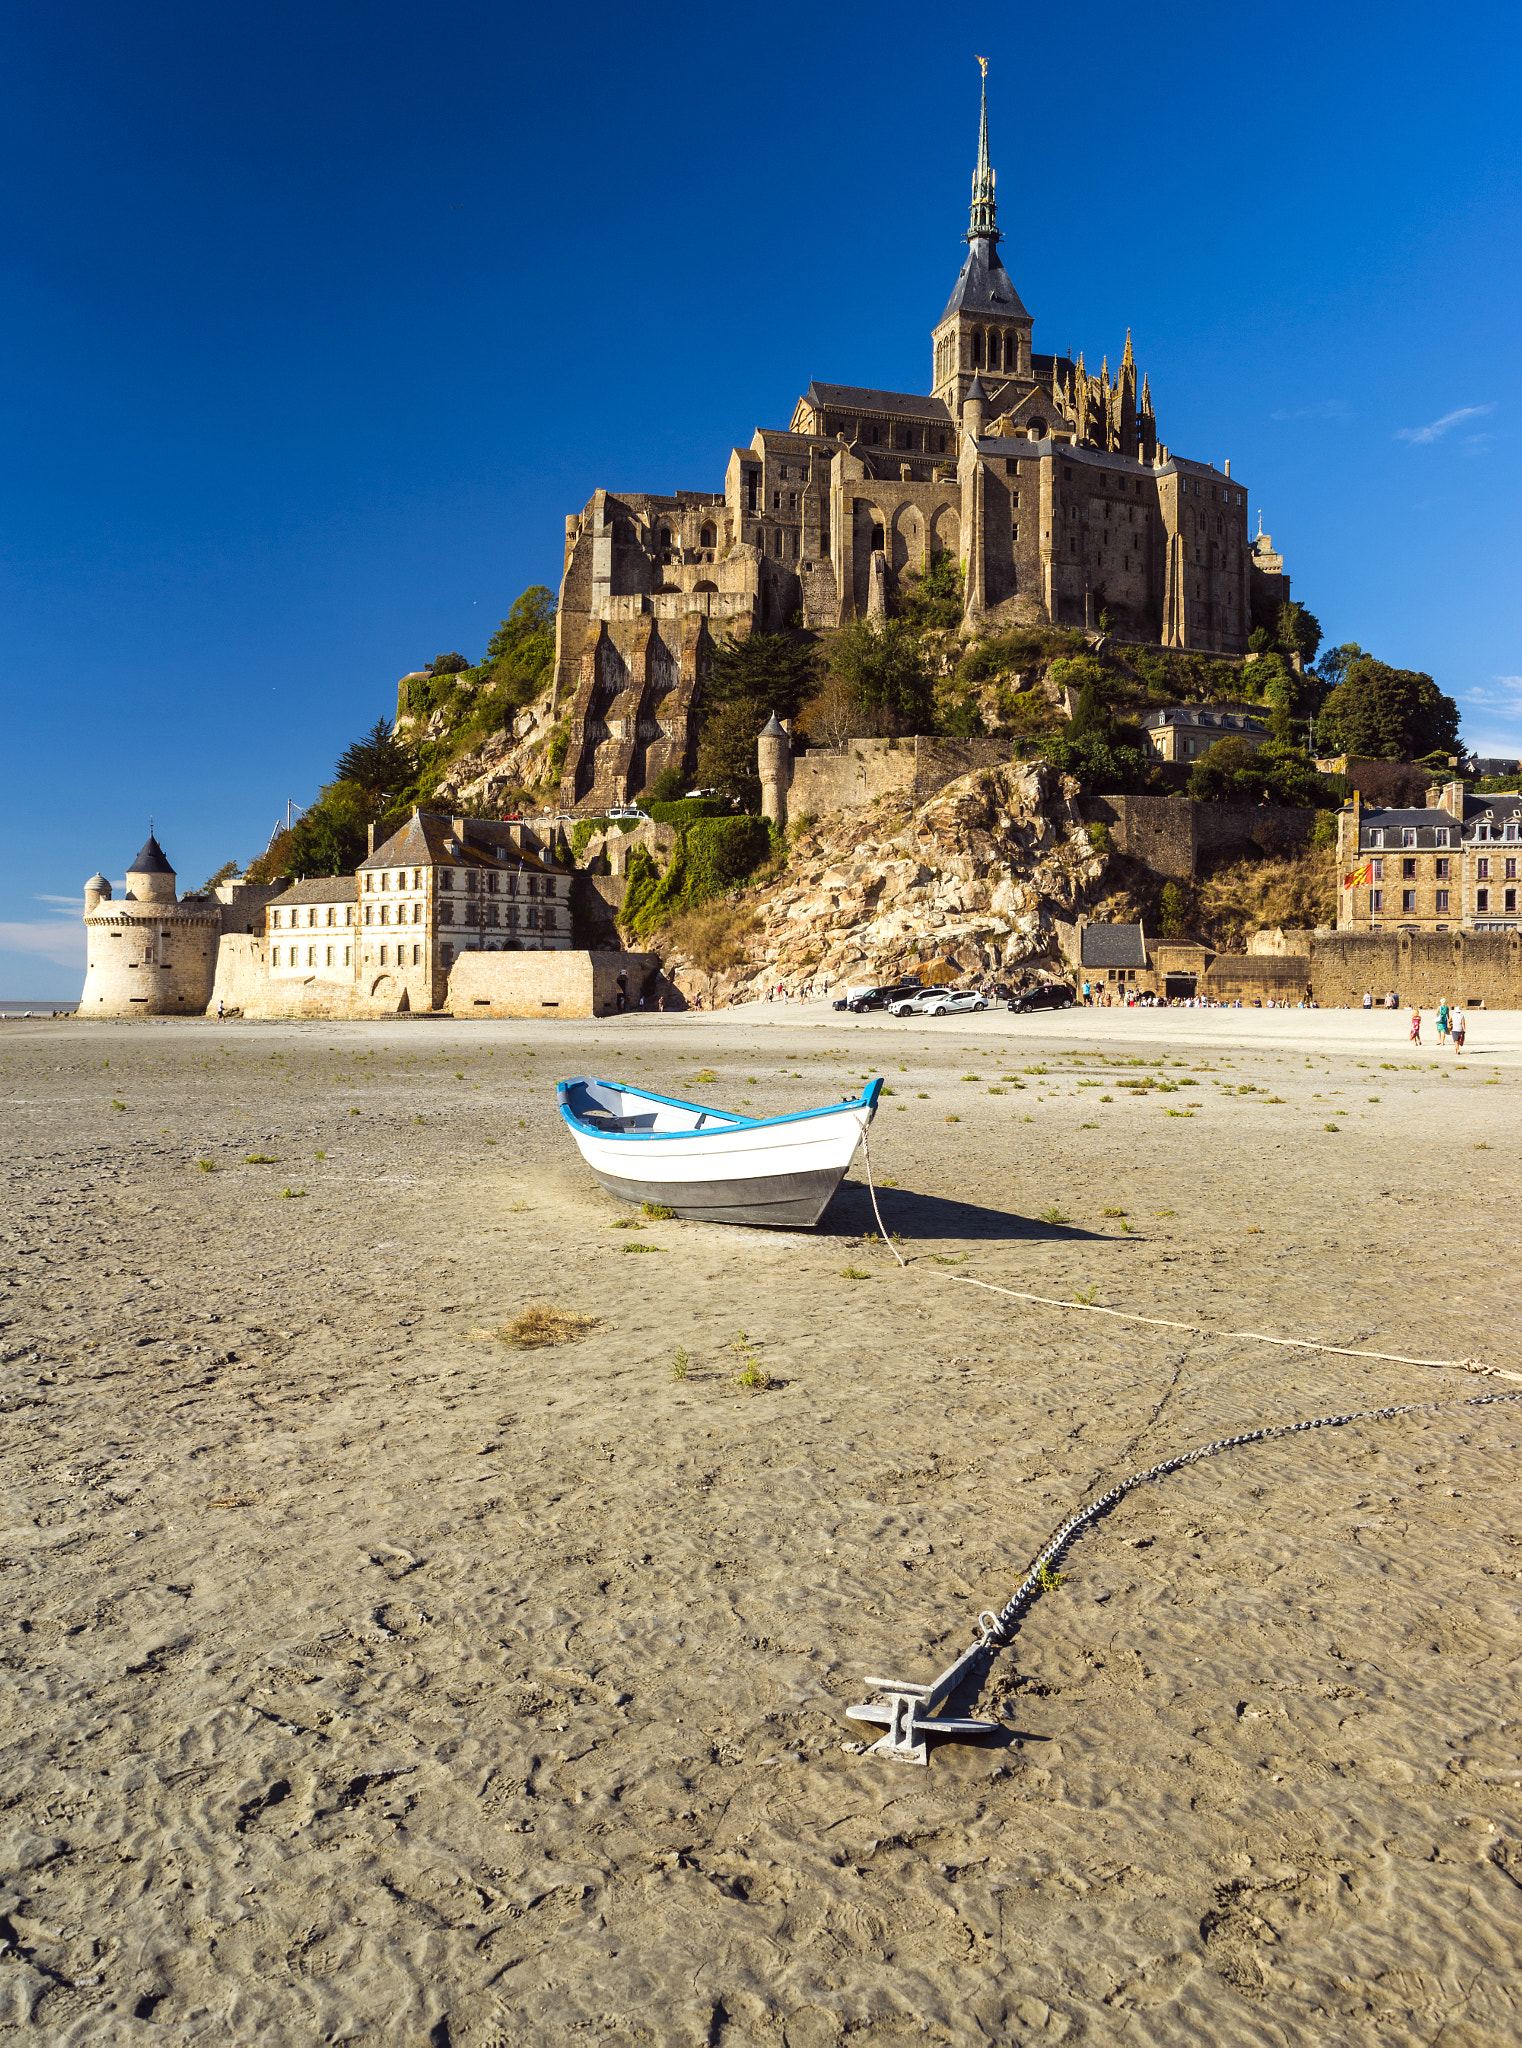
(984, 62)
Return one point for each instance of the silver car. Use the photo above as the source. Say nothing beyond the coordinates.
(938, 1002)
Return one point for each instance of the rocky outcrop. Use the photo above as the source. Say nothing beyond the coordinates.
(979, 877)
(516, 758)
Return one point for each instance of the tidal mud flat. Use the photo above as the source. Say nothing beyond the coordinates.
(371, 1679)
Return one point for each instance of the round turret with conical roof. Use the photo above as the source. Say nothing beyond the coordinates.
(774, 754)
(149, 955)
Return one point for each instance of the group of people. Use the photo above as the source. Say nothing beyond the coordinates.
(1452, 1023)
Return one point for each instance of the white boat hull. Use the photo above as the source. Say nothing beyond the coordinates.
(719, 1168)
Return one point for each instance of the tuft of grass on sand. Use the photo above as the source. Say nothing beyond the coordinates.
(207, 1165)
(681, 1365)
(1112, 1212)
(755, 1379)
(541, 1323)
(656, 1211)
(626, 1223)
(261, 1159)
(642, 1247)
(853, 1273)
(292, 1194)
(1054, 1215)
(706, 1074)
(117, 1105)
(1048, 1580)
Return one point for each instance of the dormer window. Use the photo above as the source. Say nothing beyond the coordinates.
(1408, 836)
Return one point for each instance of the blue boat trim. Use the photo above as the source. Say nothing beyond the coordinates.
(726, 1119)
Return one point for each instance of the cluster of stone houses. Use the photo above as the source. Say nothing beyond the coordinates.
(1450, 866)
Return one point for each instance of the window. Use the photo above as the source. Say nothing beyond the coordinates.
(1511, 871)
(446, 913)
(491, 885)
(347, 961)
(549, 920)
(1376, 839)
(446, 878)
(369, 913)
(1408, 836)
(1442, 902)
(1442, 870)
(348, 913)
(383, 956)
(1482, 899)
(533, 919)
(492, 915)
(311, 956)
(1067, 476)
(512, 917)
(369, 883)
(1440, 836)
(470, 882)
(274, 956)
(328, 961)
(385, 913)
(1407, 899)
(1511, 902)
(792, 501)
(417, 956)
(776, 501)
(446, 954)
(1408, 870)
(1482, 869)
(1376, 899)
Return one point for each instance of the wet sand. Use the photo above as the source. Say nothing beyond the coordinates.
(368, 1679)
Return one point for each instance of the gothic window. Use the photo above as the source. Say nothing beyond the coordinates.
(706, 537)
(977, 351)
(776, 501)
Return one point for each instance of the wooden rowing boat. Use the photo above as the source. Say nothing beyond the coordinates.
(710, 1163)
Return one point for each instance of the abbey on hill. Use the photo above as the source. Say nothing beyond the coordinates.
(1047, 484)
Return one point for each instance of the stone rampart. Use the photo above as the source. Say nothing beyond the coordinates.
(1169, 833)
(1481, 970)
(844, 778)
(244, 983)
(549, 984)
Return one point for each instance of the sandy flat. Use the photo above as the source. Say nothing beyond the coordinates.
(368, 1679)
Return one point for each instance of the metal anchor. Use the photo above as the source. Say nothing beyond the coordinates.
(908, 1711)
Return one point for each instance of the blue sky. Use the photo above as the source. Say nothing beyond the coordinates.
(321, 318)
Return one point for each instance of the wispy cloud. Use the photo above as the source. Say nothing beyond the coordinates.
(1436, 429)
(1493, 716)
(1328, 409)
(47, 939)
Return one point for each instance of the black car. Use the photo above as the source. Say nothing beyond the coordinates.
(879, 998)
(1046, 995)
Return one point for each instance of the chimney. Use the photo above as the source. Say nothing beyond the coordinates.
(457, 827)
(371, 836)
(1228, 465)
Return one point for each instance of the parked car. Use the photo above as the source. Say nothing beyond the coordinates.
(938, 1002)
(882, 998)
(1046, 995)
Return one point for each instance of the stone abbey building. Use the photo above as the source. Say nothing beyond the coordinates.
(1048, 484)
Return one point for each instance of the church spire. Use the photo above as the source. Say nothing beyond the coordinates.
(983, 224)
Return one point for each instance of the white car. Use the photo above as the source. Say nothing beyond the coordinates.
(938, 1002)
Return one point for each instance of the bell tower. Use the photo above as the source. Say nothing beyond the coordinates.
(985, 331)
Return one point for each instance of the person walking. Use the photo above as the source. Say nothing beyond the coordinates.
(1460, 1025)
(1416, 1027)
(1442, 1021)
(1368, 999)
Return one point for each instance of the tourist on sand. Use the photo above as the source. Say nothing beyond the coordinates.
(1442, 1020)
(1368, 999)
(1460, 1024)
(219, 1010)
(1416, 1027)
(1392, 1001)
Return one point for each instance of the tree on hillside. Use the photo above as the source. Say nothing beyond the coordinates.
(884, 667)
(771, 669)
(932, 602)
(377, 763)
(448, 664)
(524, 643)
(727, 750)
(1335, 663)
(1388, 714)
(1278, 772)
(1298, 631)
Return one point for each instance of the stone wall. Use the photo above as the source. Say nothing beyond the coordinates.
(1256, 978)
(549, 984)
(1477, 969)
(1169, 833)
(844, 778)
(244, 983)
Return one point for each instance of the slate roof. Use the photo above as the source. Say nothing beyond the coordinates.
(857, 398)
(427, 838)
(1197, 715)
(1114, 945)
(984, 286)
(319, 889)
(150, 860)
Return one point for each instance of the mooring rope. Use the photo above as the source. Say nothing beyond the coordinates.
(994, 1629)
(867, 1151)
(1232, 1336)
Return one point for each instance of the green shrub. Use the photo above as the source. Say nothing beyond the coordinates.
(684, 810)
(710, 856)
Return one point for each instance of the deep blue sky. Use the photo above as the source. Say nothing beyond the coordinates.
(321, 318)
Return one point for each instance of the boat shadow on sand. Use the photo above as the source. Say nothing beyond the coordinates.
(930, 1217)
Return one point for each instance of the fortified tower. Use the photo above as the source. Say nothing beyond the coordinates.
(149, 955)
(774, 753)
